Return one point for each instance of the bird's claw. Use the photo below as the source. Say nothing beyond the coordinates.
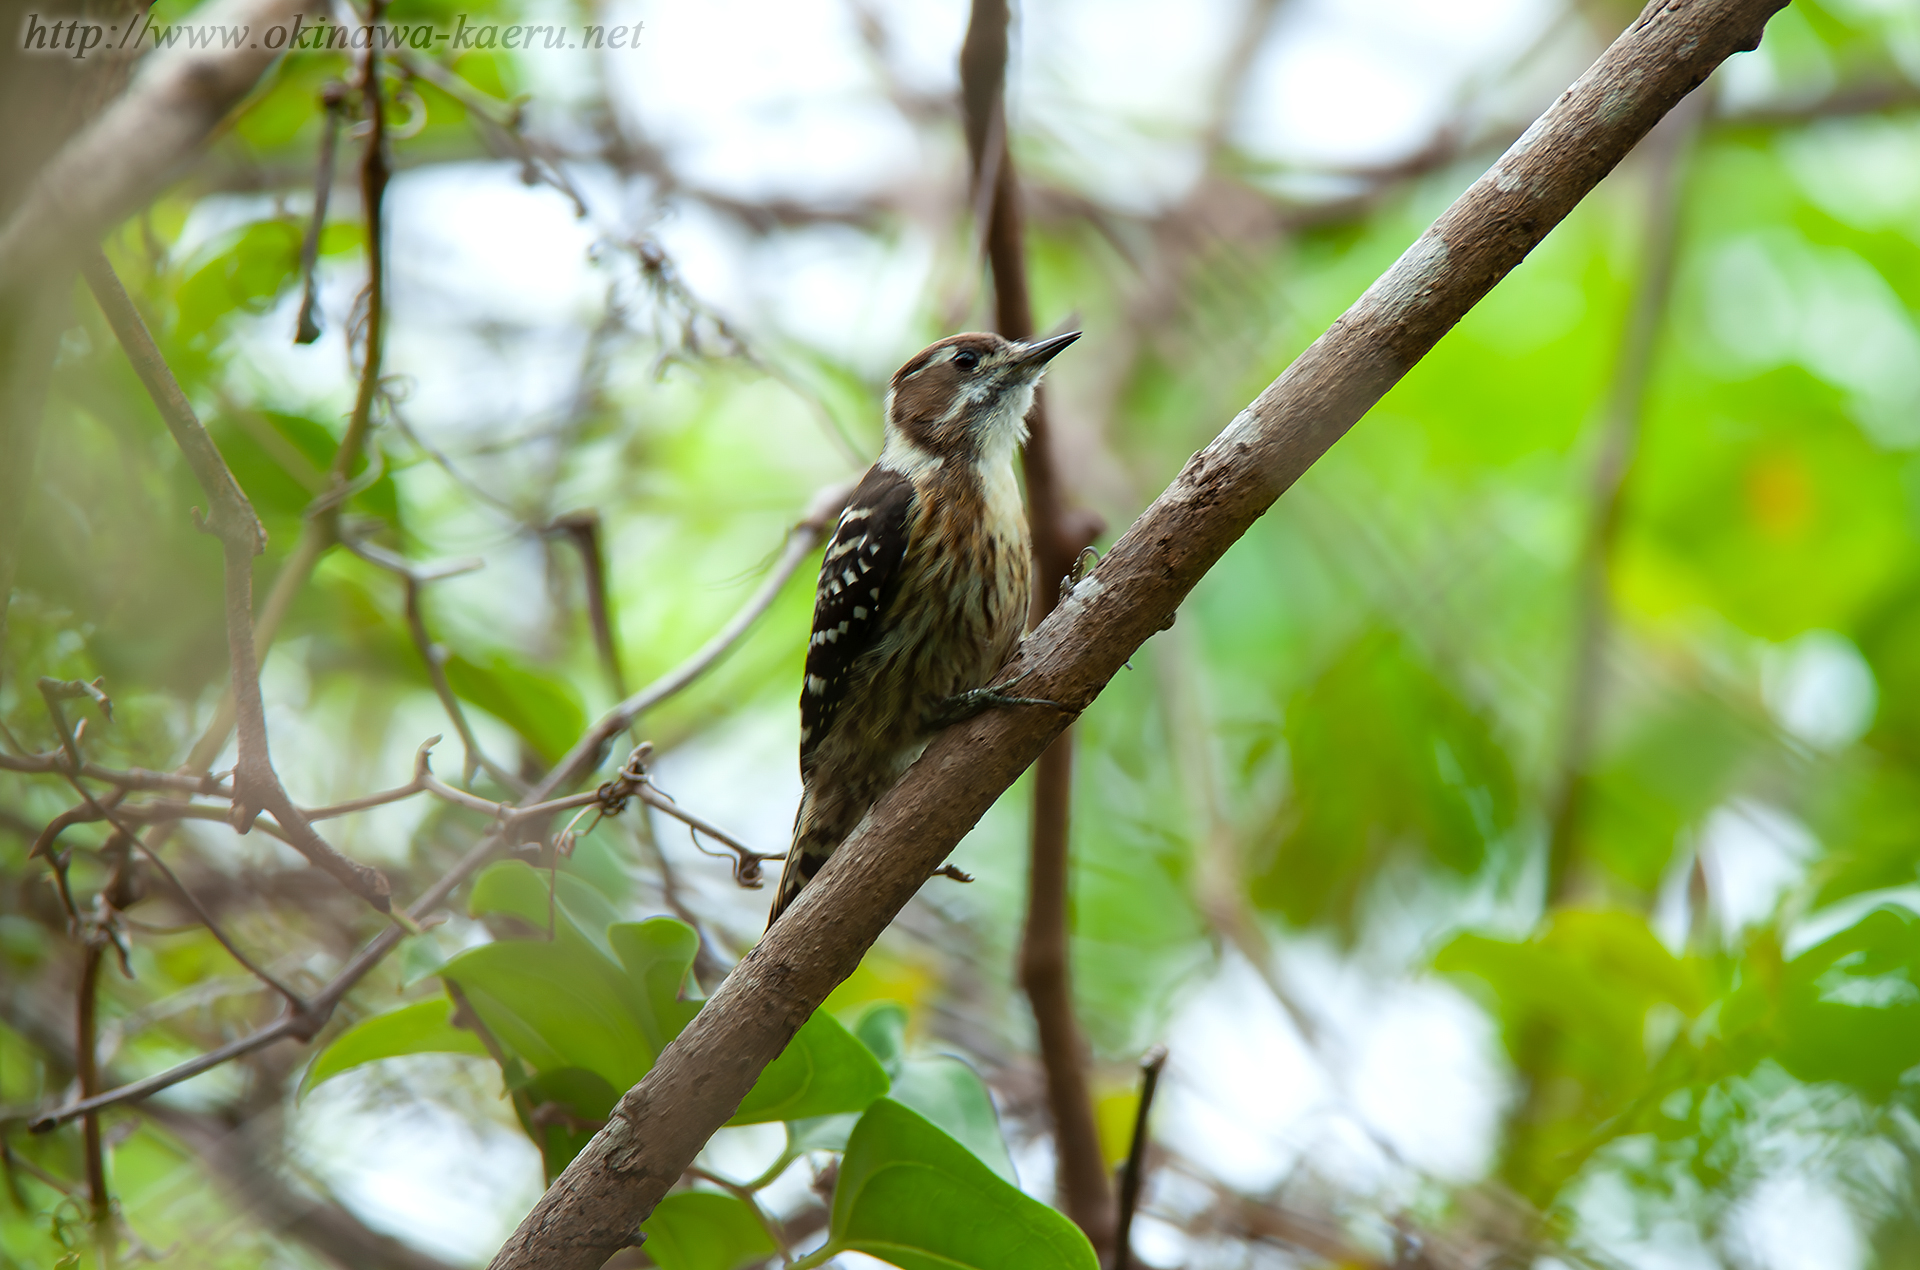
(965, 705)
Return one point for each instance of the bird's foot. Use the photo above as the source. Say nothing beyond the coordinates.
(964, 705)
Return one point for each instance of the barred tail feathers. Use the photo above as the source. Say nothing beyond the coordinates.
(815, 836)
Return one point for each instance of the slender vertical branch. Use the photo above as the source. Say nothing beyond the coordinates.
(473, 758)
(1058, 538)
(333, 97)
(1135, 1168)
(322, 528)
(582, 529)
(87, 1068)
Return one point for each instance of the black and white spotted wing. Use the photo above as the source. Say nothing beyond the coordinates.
(857, 581)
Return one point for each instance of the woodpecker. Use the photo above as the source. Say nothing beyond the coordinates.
(924, 589)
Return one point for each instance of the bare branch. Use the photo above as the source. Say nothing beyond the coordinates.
(662, 1123)
(582, 529)
(1058, 539)
(132, 778)
(256, 786)
(87, 1065)
(231, 517)
(54, 691)
(1666, 151)
(1135, 1168)
(334, 98)
(322, 527)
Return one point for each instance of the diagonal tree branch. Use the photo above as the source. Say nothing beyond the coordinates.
(658, 1127)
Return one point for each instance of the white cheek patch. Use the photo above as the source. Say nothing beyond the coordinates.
(903, 456)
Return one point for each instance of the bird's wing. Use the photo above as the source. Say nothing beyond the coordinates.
(858, 577)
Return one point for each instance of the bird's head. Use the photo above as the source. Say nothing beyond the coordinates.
(964, 399)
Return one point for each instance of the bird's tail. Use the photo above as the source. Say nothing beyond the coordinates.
(813, 842)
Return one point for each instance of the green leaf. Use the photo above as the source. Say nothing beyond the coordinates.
(568, 1106)
(514, 888)
(823, 1071)
(425, 1027)
(699, 1230)
(545, 712)
(559, 1004)
(252, 267)
(657, 955)
(951, 1095)
(912, 1196)
(610, 1002)
(882, 1028)
(1590, 977)
(1850, 1011)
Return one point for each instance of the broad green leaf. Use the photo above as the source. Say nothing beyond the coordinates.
(1590, 977)
(1851, 1006)
(699, 1230)
(912, 1196)
(252, 267)
(822, 1133)
(425, 1027)
(610, 1002)
(657, 955)
(559, 1004)
(516, 889)
(545, 712)
(882, 1028)
(822, 1072)
(952, 1096)
(561, 1110)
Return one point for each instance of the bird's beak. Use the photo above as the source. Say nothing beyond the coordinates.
(1037, 354)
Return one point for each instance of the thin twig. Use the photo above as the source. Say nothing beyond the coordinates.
(333, 98)
(87, 1068)
(582, 529)
(541, 800)
(131, 778)
(431, 653)
(322, 524)
(1135, 1168)
(107, 811)
(1667, 149)
(505, 120)
(230, 516)
(745, 1194)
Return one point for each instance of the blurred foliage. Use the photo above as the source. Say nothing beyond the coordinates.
(1342, 764)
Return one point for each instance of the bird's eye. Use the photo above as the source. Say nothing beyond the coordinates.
(966, 359)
